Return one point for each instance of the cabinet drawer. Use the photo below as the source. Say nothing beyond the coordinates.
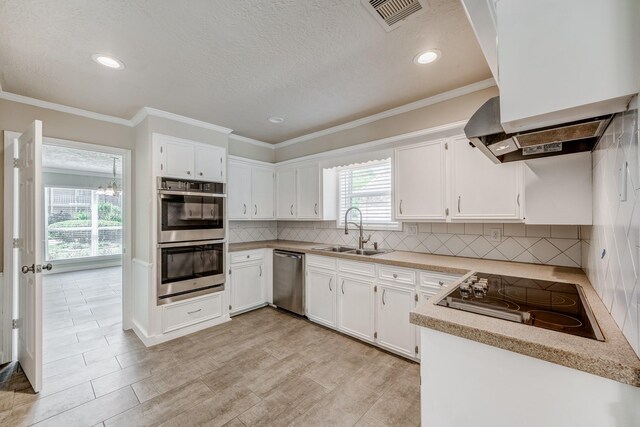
(436, 281)
(247, 256)
(321, 262)
(398, 275)
(355, 267)
(187, 313)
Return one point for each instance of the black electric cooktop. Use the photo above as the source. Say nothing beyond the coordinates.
(544, 304)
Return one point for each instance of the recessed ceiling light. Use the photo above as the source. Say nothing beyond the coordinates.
(276, 119)
(108, 61)
(427, 57)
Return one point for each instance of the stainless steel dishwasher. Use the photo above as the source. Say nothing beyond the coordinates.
(288, 281)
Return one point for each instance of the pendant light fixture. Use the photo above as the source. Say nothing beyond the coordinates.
(112, 187)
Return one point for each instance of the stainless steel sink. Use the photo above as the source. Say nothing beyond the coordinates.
(369, 252)
(336, 248)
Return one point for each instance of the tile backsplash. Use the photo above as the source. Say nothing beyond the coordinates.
(611, 251)
(539, 244)
(250, 231)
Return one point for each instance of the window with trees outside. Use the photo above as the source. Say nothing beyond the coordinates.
(367, 187)
(81, 223)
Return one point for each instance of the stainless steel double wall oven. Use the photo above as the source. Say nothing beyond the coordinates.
(191, 232)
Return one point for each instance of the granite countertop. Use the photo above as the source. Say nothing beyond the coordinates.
(614, 358)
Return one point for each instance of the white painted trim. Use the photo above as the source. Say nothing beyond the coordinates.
(252, 141)
(251, 161)
(63, 108)
(7, 282)
(372, 144)
(148, 111)
(464, 90)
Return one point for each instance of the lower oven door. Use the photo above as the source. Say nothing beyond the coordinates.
(189, 269)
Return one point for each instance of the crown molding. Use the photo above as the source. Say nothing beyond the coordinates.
(252, 141)
(148, 111)
(63, 108)
(464, 90)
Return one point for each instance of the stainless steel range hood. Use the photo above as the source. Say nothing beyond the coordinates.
(485, 131)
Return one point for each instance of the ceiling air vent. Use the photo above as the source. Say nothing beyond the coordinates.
(393, 13)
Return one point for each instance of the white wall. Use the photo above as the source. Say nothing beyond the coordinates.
(611, 251)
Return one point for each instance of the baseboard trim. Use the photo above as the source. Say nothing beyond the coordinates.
(150, 341)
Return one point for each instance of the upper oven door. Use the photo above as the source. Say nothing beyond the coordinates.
(185, 216)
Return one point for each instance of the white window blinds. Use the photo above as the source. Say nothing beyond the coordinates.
(367, 187)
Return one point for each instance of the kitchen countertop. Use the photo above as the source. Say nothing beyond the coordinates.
(614, 358)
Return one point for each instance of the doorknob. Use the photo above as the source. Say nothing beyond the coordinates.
(47, 267)
(26, 269)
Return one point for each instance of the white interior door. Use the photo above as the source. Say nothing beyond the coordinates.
(29, 253)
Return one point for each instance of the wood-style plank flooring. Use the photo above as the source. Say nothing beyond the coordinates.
(265, 368)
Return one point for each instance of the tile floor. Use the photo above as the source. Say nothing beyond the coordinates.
(265, 367)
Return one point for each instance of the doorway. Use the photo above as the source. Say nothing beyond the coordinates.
(86, 230)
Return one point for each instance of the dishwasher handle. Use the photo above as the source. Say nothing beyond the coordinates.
(287, 255)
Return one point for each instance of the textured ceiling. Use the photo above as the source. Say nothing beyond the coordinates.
(317, 63)
(63, 158)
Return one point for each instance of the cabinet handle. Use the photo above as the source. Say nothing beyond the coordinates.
(200, 174)
(291, 210)
(342, 286)
(518, 200)
(400, 206)
(260, 270)
(315, 208)
(188, 172)
(441, 283)
(459, 197)
(220, 167)
(190, 213)
(383, 301)
(255, 208)
(330, 280)
(194, 312)
(244, 208)
(395, 276)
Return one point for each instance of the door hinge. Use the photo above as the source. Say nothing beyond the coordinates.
(375, 335)
(446, 212)
(375, 289)
(415, 297)
(229, 272)
(16, 244)
(230, 307)
(416, 349)
(16, 163)
(161, 149)
(446, 145)
(15, 323)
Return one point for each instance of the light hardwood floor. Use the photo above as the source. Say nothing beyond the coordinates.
(265, 367)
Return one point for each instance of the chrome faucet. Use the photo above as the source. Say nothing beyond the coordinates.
(361, 239)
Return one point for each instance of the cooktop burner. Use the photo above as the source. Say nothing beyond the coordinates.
(550, 305)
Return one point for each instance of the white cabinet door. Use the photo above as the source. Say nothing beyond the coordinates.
(239, 191)
(262, 193)
(355, 305)
(286, 193)
(481, 189)
(420, 181)
(247, 286)
(308, 189)
(393, 304)
(321, 297)
(178, 159)
(209, 163)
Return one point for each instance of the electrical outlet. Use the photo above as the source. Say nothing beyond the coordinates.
(496, 235)
(412, 230)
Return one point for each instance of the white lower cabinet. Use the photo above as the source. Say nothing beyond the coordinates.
(182, 314)
(355, 306)
(393, 329)
(247, 282)
(321, 297)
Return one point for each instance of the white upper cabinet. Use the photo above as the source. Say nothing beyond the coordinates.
(178, 159)
(420, 181)
(262, 194)
(308, 183)
(239, 190)
(181, 158)
(559, 190)
(210, 163)
(286, 193)
(250, 191)
(559, 61)
(481, 189)
(306, 191)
